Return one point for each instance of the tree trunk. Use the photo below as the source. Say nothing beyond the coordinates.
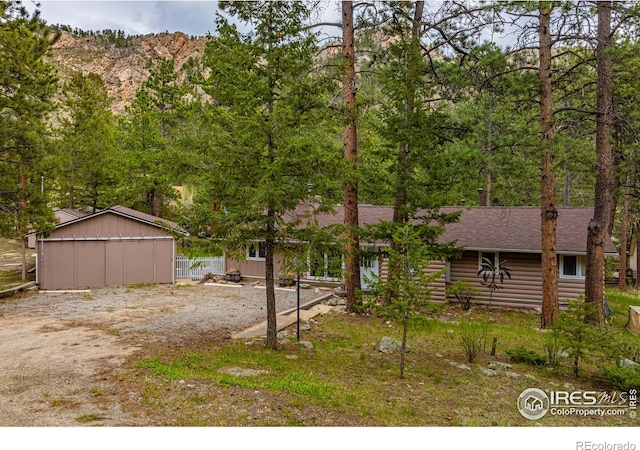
(154, 202)
(22, 225)
(549, 211)
(403, 346)
(350, 183)
(597, 230)
(272, 329)
(567, 190)
(72, 180)
(624, 232)
(489, 190)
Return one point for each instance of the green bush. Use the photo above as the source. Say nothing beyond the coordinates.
(553, 346)
(523, 355)
(473, 336)
(623, 378)
(464, 292)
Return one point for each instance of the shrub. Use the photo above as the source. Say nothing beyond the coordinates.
(579, 337)
(524, 355)
(464, 292)
(553, 346)
(623, 378)
(472, 337)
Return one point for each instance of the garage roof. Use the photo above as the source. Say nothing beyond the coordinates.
(131, 214)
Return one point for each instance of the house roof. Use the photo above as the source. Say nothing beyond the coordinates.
(496, 228)
(67, 214)
(518, 228)
(131, 214)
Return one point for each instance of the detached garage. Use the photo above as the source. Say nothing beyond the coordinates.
(113, 247)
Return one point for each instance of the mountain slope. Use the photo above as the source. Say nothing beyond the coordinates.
(123, 67)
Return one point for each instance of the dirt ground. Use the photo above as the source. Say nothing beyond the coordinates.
(61, 353)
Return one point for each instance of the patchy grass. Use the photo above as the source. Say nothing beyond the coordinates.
(86, 418)
(619, 303)
(9, 279)
(10, 263)
(343, 381)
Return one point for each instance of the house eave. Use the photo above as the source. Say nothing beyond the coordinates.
(520, 250)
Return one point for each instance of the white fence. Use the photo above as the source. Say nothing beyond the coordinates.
(197, 268)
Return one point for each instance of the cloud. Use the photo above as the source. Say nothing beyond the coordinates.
(132, 17)
(195, 18)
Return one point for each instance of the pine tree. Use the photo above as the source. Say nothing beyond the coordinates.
(27, 85)
(149, 133)
(269, 108)
(85, 161)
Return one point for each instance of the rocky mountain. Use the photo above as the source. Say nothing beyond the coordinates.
(123, 65)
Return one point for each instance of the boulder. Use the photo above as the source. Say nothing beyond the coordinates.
(624, 362)
(497, 365)
(388, 344)
(308, 345)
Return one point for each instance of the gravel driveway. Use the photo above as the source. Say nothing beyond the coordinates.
(58, 351)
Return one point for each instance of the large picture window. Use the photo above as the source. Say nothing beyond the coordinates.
(326, 266)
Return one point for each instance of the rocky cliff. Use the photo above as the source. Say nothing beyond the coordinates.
(123, 67)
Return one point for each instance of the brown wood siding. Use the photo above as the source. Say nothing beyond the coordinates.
(115, 274)
(107, 225)
(97, 263)
(89, 264)
(439, 285)
(525, 286)
(253, 268)
(569, 290)
(523, 289)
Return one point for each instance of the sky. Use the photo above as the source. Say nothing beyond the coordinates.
(133, 17)
(195, 18)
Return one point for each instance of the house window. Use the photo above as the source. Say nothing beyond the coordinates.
(256, 251)
(487, 261)
(326, 266)
(572, 266)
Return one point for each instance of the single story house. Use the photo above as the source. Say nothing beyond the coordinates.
(112, 247)
(509, 235)
(512, 236)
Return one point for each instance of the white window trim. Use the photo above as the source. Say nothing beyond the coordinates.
(325, 259)
(255, 245)
(497, 259)
(581, 268)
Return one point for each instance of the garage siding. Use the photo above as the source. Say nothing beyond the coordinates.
(107, 250)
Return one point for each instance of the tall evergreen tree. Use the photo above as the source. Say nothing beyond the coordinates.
(350, 155)
(549, 210)
(27, 84)
(87, 143)
(149, 132)
(599, 224)
(270, 108)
